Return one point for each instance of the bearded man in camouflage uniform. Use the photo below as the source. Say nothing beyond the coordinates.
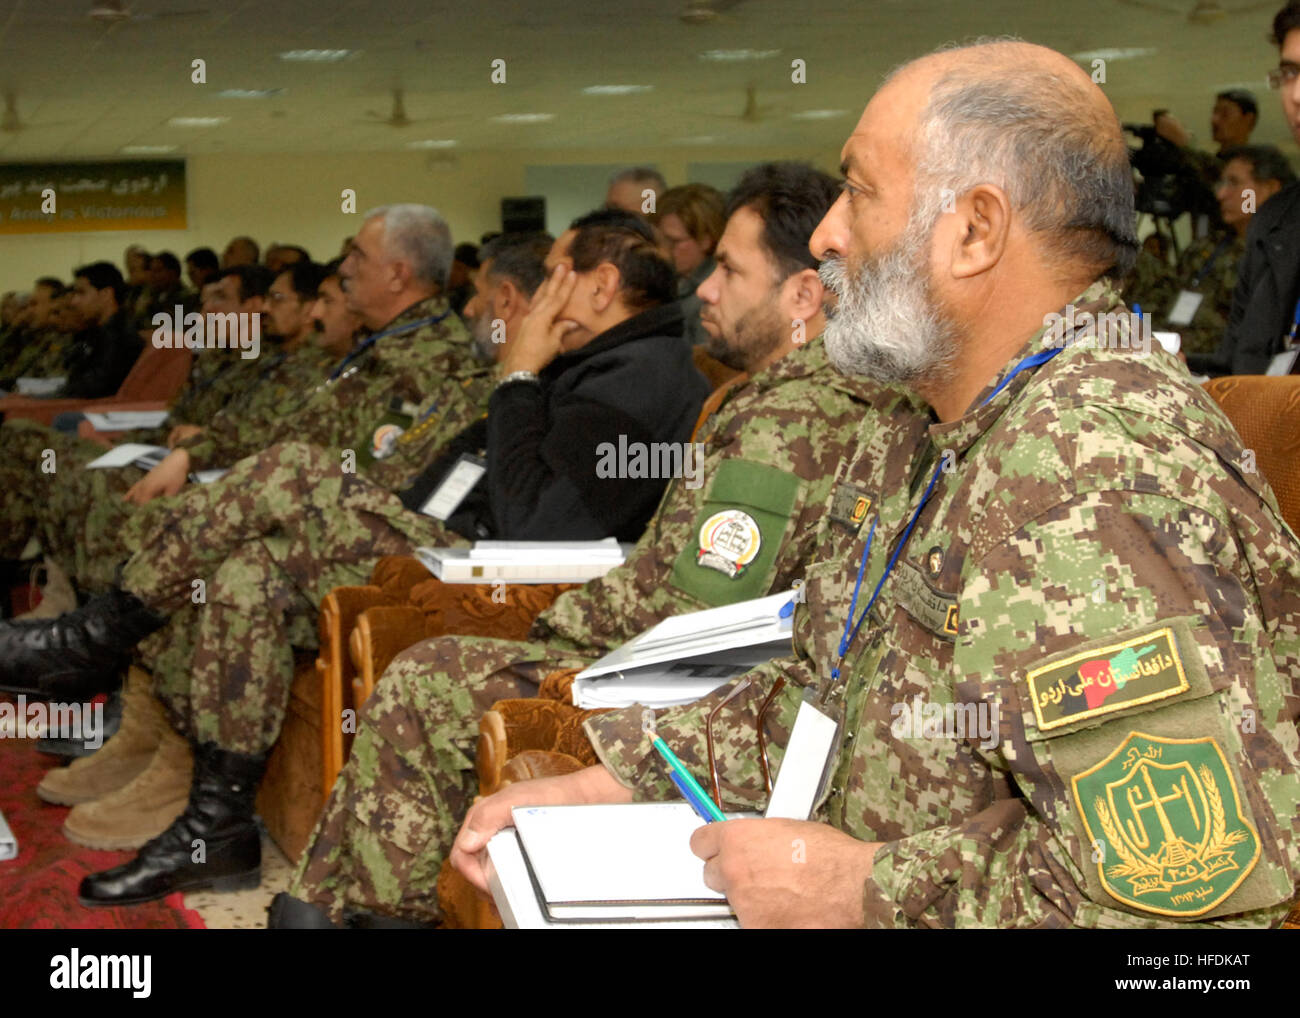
(772, 450)
(1093, 569)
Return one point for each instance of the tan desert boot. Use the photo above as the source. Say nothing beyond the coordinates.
(143, 809)
(57, 594)
(120, 759)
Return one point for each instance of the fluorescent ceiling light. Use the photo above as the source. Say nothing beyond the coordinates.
(249, 93)
(432, 143)
(1129, 53)
(616, 89)
(817, 114)
(319, 56)
(733, 55)
(146, 150)
(524, 118)
(196, 121)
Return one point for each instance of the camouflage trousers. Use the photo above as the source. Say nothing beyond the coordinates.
(78, 515)
(410, 779)
(241, 566)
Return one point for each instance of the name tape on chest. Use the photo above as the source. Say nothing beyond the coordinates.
(935, 610)
(458, 483)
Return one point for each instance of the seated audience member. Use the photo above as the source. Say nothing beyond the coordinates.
(137, 261)
(104, 351)
(164, 292)
(594, 367)
(280, 256)
(1199, 295)
(1232, 119)
(771, 453)
(241, 251)
(690, 221)
(337, 326)
(1266, 304)
(637, 190)
(1056, 462)
(201, 267)
(460, 284)
(35, 345)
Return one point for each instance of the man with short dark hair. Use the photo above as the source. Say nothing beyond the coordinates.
(1265, 318)
(201, 267)
(240, 251)
(103, 353)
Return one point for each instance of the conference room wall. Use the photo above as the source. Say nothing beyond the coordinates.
(296, 198)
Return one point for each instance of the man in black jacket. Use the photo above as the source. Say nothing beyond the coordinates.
(598, 365)
(1266, 304)
(102, 354)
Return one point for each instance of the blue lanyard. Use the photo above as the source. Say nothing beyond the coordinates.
(850, 627)
(1295, 324)
(370, 341)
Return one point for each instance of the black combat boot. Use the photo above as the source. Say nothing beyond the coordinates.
(290, 913)
(77, 655)
(215, 843)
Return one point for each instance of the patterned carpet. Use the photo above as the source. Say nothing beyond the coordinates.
(38, 889)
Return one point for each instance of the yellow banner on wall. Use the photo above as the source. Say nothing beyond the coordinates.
(77, 197)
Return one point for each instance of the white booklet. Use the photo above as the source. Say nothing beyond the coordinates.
(524, 561)
(130, 454)
(126, 420)
(697, 652)
(39, 386)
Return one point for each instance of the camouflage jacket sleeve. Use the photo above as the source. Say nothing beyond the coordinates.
(1209, 708)
(770, 458)
(343, 410)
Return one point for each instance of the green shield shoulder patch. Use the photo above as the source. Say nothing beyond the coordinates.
(1168, 816)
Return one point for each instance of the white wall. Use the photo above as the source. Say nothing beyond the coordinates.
(296, 198)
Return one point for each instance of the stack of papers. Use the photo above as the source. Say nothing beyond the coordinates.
(127, 420)
(39, 386)
(598, 865)
(8, 843)
(524, 561)
(146, 457)
(688, 656)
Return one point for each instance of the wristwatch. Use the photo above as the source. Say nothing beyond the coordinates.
(517, 376)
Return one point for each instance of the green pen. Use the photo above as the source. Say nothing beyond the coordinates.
(682, 778)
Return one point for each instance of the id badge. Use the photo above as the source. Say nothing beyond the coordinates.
(1283, 362)
(804, 767)
(1185, 307)
(458, 483)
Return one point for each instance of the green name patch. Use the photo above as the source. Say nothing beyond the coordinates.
(1166, 816)
(934, 609)
(1106, 679)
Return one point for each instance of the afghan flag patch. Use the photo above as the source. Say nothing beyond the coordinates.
(1107, 679)
(1166, 818)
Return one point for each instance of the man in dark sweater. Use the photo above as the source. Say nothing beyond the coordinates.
(102, 354)
(597, 366)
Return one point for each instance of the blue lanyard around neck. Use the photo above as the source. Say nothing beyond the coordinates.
(1295, 324)
(370, 341)
(850, 627)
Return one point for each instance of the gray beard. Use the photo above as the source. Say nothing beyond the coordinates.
(480, 330)
(885, 323)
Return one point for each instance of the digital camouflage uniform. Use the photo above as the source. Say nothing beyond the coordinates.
(1207, 267)
(1102, 565)
(772, 452)
(79, 515)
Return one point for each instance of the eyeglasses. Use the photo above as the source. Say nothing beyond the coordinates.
(1285, 74)
(741, 686)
